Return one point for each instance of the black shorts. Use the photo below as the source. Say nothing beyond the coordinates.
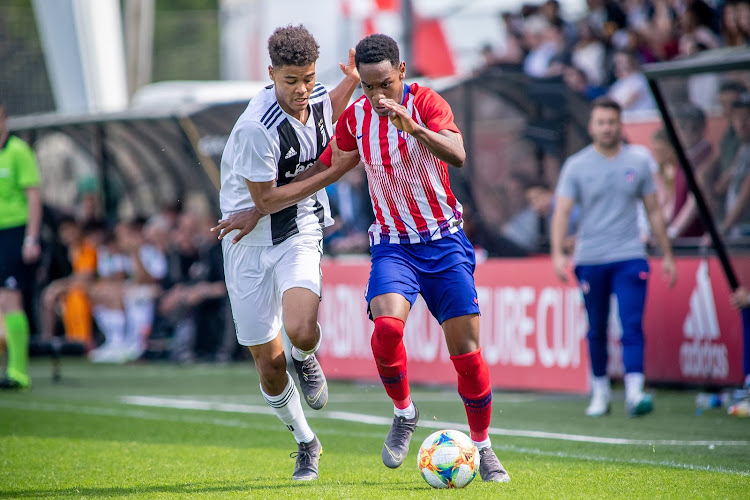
(14, 273)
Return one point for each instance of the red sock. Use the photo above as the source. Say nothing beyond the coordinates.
(390, 358)
(474, 388)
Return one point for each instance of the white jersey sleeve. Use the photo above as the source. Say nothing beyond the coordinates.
(255, 154)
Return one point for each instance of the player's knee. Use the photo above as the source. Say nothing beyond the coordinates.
(271, 370)
(302, 333)
(387, 335)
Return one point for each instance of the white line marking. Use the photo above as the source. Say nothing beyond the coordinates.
(129, 413)
(192, 404)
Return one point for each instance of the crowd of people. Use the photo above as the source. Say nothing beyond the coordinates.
(602, 53)
(142, 288)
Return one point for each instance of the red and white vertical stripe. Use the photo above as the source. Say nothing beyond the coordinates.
(409, 186)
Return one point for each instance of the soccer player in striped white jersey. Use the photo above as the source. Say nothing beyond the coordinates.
(406, 138)
(272, 264)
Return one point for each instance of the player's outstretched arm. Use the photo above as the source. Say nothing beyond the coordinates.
(270, 198)
(342, 94)
(446, 144)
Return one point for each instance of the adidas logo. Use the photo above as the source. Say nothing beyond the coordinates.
(701, 322)
(290, 153)
(702, 353)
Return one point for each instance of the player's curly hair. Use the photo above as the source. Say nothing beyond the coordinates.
(377, 48)
(292, 46)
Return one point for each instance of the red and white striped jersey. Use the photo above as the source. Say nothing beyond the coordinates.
(409, 186)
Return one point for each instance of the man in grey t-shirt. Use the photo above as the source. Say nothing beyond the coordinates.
(608, 180)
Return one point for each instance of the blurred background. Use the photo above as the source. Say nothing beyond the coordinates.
(128, 104)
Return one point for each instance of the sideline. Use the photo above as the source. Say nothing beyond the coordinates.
(195, 404)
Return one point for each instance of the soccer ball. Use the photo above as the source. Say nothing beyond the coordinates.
(448, 459)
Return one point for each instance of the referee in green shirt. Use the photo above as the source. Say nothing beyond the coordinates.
(20, 219)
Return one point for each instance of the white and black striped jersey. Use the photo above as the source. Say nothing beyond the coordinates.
(267, 144)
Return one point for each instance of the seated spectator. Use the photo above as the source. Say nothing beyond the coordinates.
(666, 159)
(736, 181)
(125, 308)
(691, 129)
(630, 90)
(352, 211)
(70, 294)
(193, 306)
(575, 79)
(588, 55)
(544, 42)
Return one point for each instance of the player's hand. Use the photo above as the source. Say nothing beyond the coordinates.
(343, 161)
(31, 252)
(244, 221)
(740, 298)
(350, 68)
(562, 266)
(399, 116)
(669, 271)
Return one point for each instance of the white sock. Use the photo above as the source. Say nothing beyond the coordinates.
(288, 408)
(140, 318)
(634, 386)
(112, 324)
(301, 355)
(600, 386)
(408, 412)
(483, 444)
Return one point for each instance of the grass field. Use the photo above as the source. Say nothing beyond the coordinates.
(203, 431)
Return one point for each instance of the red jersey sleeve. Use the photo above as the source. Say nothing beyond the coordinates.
(344, 136)
(435, 111)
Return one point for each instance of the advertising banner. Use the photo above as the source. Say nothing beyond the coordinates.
(533, 327)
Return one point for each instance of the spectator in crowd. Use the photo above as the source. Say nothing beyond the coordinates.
(665, 178)
(71, 293)
(575, 79)
(589, 55)
(696, 25)
(124, 309)
(20, 223)
(691, 130)
(736, 181)
(352, 212)
(731, 33)
(729, 92)
(630, 90)
(544, 41)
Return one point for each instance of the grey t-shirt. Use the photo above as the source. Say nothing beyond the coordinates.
(608, 192)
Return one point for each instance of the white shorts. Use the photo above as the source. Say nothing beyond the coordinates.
(257, 277)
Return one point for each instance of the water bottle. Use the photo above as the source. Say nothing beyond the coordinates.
(706, 400)
(741, 409)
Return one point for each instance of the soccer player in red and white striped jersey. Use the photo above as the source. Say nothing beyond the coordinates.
(406, 138)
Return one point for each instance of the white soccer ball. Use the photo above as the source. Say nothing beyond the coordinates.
(448, 459)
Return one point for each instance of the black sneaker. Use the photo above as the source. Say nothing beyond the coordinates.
(312, 381)
(10, 384)
(490, 468)
(308, 456)
(396, 445)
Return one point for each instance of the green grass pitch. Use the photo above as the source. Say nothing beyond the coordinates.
(203, 431)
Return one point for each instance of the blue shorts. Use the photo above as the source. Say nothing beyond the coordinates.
(441, 270)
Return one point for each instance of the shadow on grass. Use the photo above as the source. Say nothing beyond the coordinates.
(180, 489)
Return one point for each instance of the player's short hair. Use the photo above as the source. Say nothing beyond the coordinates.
(292, 46)
(606, 103)
(377, 48)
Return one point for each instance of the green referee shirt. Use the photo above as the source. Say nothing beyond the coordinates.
(18, 172)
